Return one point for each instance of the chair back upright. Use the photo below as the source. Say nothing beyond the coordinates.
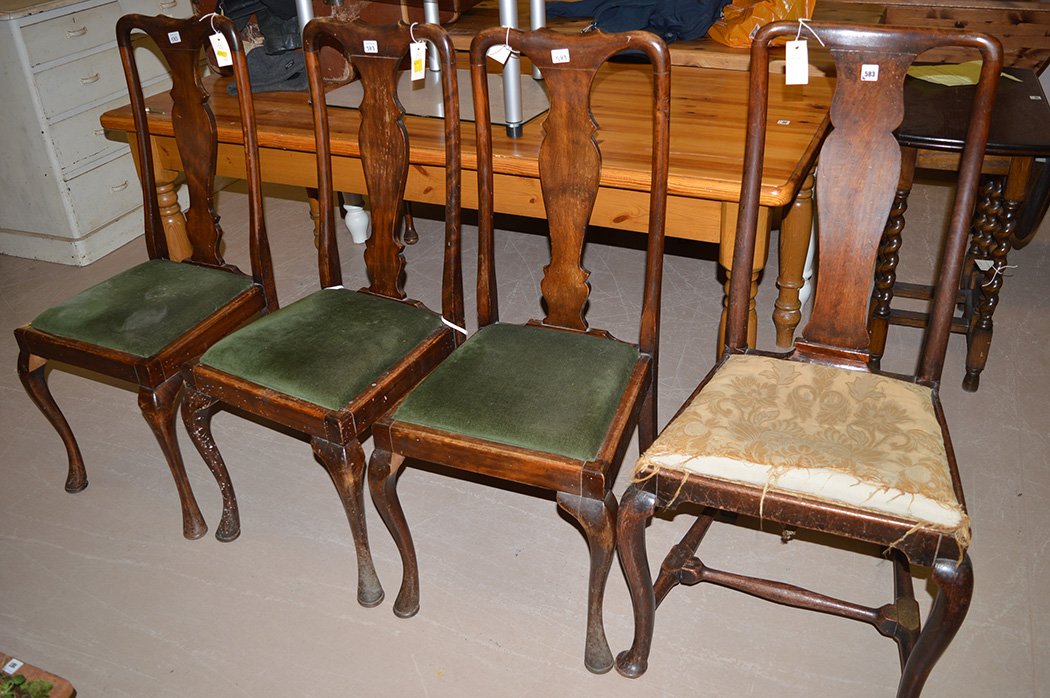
(859, 167)
(376, 52)
(570, 168)
(181, 42)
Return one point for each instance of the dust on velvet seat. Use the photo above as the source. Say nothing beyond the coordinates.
(143, 309)
(527, 386)
(301, 350)
(818, 432)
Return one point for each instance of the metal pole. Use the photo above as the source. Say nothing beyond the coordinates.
(431, 16)
(538, 20)
(508, 17)
(305, 10)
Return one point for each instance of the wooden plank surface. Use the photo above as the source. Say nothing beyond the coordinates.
(708, 113)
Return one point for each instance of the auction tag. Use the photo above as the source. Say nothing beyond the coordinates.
(560, 55)
(174, 38)
(12, 666)
(797, 69)
(869, 72)
(499, 53)
(221, 47)
(417, 51)
(371, 46)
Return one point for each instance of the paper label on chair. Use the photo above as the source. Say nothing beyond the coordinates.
(417, 52)
(869, 72)
(12, 666)
(796, 70)
(371, 46)
(174, 38)
(560, 55)
(499, 53)
(221, 47)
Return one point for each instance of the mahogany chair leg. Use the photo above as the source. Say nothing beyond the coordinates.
(598, 519)
(636, 508)
(158, 407)
(346, 467)
(382, 484)
(955, 580)
(31, 371)
(196, 416)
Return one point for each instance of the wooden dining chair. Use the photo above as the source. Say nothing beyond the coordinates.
(812, 439)
(330, 364)
(550, 403)
(143, 324)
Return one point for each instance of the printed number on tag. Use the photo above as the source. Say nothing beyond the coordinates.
(869, 72)
(221, 47)
(174, 37)
(12, 666)
(371, 46)
(560, 55)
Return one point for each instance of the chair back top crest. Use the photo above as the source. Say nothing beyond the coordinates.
(181, 42)
(570, 166)
(857, 174)
(376, 53)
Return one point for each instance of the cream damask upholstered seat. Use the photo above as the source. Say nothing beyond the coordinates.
(816, 431)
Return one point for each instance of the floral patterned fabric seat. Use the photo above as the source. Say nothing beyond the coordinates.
(848, 437)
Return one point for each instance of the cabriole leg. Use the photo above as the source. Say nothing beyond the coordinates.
(158, 407)
(346, 466)
(598, 520)
(949, 609)
(31, 371)
(196, 416)
(636, 508)
(382, 484)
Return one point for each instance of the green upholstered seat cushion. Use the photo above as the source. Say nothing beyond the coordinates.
(532, 387)
(325, 348)
(142, 310)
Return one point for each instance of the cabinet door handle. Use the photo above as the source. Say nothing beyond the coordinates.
(168, 4)
(74, 33)
(119, 187)
(89, 80)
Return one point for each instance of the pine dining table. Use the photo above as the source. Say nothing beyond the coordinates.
(708, 123)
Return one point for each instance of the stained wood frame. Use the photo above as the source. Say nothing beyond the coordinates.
(852, 214)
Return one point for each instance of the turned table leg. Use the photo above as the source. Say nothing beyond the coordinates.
(795, 233)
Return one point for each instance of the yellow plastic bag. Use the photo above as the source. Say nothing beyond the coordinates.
(742, 18)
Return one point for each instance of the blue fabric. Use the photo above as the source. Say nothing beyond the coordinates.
(672, 20)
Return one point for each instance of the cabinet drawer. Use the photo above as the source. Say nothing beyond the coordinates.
(105, 193)
(78, 31)
(172, 8)
(70, 85)
(81, 138)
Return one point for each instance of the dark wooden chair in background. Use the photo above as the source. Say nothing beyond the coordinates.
(1013, 199)
(143, 324)
(812, 439)
(551, 403)
(328, 365)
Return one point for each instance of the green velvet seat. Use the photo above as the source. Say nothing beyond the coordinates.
(144, 309)
(302, 349)
(532, 387)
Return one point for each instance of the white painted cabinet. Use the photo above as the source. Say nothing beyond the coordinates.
(67, 193)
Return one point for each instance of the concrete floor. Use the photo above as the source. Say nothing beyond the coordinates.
(102, 589)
